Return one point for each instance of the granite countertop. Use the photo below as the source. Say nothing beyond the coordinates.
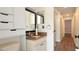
(32, 36)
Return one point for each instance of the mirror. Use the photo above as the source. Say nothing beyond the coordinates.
(33, 20)
(30, 17)
(40, 19)
(30, 20)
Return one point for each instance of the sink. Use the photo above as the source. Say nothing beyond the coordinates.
(36, 36)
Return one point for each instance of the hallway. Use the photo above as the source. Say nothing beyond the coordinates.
(66, 44)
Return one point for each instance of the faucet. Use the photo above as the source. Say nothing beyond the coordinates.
(36, 33)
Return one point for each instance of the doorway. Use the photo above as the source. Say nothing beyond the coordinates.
(67, 24)
(64, 25)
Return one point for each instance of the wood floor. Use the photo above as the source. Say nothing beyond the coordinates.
(66, 44)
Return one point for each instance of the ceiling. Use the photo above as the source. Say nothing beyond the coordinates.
(39, 10)
(66, 10)
(62, 10)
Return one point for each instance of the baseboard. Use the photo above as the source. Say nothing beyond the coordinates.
(77, 47)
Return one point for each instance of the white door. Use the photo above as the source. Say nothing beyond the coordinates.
(67, 26)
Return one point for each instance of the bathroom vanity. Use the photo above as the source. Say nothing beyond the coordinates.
(36, 42)
(35, 35)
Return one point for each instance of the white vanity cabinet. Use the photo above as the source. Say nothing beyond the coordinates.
(6, 17)
(6, 26)
(12, 24)
(7, 33)
(12, 21)
(12, 18)
(36, 45)
(40, 47)
(8, 10)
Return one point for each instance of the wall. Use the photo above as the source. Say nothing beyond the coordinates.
(62, 27)
(57, 26)
(77, 20)
(19, 17)
(77, 26)
(49, 27)
(73, 31)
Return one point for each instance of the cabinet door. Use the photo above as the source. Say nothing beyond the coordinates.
(6, 25)
(6, 10)
(40, 47)
(7, 33)
(6, 17)
(19, 17)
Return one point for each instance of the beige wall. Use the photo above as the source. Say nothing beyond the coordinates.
(49, 27)
(62, 27)
(73, 27)
(57, 25)
(76, 26)
(77, 20)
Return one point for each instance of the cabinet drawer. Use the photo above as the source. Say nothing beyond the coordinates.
(40, 47)
(6, 18)
(6, 25)
(6, 10)
(7, 33)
